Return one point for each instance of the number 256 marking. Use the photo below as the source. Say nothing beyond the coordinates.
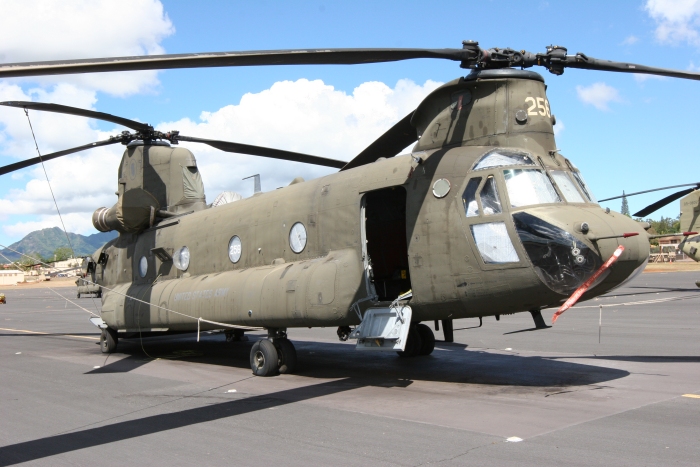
(538, 107)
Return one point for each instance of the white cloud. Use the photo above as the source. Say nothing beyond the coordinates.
(36, 30)
(599, 95)
(677, 21)
(559, 127)
(630, 40)
(303, 116)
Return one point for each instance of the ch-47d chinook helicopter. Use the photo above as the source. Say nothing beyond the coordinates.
(484, 217)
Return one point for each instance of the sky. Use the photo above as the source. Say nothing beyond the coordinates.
(623, 131)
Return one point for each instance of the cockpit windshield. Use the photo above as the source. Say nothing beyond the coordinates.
(529, 186)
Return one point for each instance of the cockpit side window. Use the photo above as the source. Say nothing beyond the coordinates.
(584, 187)
(567, 187)
(471, 208)
(529, 186)
(489, 197)
(501, 157)
(581, 183)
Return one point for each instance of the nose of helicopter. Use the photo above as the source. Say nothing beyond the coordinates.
(567, 246)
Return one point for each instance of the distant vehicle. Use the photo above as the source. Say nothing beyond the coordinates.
(86, 287)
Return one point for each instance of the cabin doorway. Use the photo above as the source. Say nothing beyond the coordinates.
(386, 247)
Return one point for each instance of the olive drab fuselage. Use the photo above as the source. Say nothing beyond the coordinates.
(407, 222)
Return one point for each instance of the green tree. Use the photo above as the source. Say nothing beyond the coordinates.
(625, 207)
(665, 225)
(62, 253)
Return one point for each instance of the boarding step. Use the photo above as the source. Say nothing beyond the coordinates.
(383, 329)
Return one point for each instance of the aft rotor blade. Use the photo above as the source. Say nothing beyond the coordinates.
(35, 160)
(663, 202)
(226, 59)
(65, 109)
(388, 145)
(265, 152)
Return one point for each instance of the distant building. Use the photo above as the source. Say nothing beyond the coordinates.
(11, 276)
(68, 267)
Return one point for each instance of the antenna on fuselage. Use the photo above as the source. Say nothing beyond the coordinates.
(256, 188)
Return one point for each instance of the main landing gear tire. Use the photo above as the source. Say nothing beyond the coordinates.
(264, 359)
(287, 356)
(108, 340)
(78, 294)
(427, 339)
(414, 343)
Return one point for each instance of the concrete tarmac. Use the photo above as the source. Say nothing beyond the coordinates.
(560, 396)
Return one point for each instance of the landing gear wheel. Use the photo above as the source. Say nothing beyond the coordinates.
(413, 343)
(108, 340)
(263, 358)
(287, 356)
(78, 294)
(427, 340)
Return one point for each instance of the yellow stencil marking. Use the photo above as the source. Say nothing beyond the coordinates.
(692, 396)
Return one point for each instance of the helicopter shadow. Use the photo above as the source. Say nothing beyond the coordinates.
(449, 363)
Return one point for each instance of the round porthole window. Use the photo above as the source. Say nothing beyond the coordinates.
(181, 258)
(143, 266)
(297, 237)
(234, 249)
(441, 188)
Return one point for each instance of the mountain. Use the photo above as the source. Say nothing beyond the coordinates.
(46, 241)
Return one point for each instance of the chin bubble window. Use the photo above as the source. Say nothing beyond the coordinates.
(181, 258)
(493, 243)
(529, 186)
(560, 260)
(143, 266)
(234, 249)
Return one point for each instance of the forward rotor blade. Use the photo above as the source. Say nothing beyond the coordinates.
(225, 59)
(29, 162)
(583, 62)
(388, 145)
(265, 152)
(65, 109)
(662, 202)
